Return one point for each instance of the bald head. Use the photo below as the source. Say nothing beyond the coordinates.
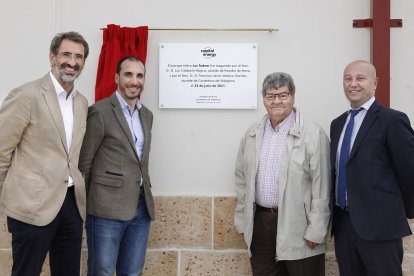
(360, 82)
(369, 67)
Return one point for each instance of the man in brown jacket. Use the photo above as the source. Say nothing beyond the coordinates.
(42, 191)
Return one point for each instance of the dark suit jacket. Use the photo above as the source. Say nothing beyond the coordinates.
(380, 173)
(110, 164)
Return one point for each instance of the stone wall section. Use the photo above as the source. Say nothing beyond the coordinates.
(195, 236)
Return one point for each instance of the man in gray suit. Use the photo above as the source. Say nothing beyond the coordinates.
(42, 125)
(114, 162)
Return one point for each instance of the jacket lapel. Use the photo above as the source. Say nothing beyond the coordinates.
(258, 133)
(78, 116)
(52, 103)
(146, 128)
(369, 120)
(336, 134)
(292, 139)
(119, 114)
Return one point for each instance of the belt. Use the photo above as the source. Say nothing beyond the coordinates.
(265, 209)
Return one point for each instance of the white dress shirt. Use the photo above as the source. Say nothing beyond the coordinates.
(66, 108)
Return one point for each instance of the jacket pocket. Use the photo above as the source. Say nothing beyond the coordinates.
(109, 180)
(114, 173)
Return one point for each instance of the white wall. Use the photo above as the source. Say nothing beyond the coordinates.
(193, 151)
(402, 58)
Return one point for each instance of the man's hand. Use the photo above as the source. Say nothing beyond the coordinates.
(312, 244)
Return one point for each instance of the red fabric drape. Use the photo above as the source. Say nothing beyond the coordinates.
(117, 43)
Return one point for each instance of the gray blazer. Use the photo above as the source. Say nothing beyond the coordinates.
(110, 164)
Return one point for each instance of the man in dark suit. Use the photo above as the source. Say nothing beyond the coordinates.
(373, 179)
(114, 161)
(42, 124)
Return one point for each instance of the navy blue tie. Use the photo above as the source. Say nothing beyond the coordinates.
(343, 158)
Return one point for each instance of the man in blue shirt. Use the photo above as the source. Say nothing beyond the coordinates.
(114, 161)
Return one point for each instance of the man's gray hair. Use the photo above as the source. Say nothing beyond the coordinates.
(73, 36)
(277, 80)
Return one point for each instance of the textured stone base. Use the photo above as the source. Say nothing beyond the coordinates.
(195, 236)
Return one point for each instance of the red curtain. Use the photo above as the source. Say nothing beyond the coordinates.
(117, 43)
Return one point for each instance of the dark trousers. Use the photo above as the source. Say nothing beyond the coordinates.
(263, 248)
(357, 257)
(62, 238)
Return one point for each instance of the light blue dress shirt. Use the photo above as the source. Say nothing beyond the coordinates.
(134, 123)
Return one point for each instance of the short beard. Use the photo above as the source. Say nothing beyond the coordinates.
(67, 78)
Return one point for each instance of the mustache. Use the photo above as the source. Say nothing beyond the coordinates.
(133, 86)
(67, 65)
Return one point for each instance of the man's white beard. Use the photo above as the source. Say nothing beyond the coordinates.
(67, 78)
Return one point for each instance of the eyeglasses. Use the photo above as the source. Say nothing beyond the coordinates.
(69, 55)
(281, 96)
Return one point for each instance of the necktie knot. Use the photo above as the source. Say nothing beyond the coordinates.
(354, 112)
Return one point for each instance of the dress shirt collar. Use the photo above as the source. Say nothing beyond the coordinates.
(59, 89)
(366, 105)
(124, 104)
(286, 123)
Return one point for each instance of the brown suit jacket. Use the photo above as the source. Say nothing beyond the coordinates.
(34, 156)
(110, 163)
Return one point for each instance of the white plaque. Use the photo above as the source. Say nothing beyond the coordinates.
(205, 75)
